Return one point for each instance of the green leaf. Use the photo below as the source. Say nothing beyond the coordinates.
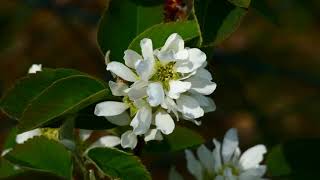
(25, 90)
(180, 139)
(10, 139)
(217, 19)
(66, 95)
(276, 161)
(298, 159)
(41, 98)
(7, 169)
(42, 154)
(123, 21)
(119, 164)
(241, 3)
(159, 33)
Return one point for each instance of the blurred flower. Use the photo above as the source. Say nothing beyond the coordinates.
(35, 68)
(171, 79)
(226, 162)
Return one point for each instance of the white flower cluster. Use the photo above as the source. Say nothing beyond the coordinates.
(159, 83)
(225, 162)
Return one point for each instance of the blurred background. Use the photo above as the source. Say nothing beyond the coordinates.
(267, 72)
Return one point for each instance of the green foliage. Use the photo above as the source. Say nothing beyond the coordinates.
(297, 159)
(241, 3)
(20, 96)
(118, 164)
(217, 19)
(180, 139)
(51, 94)
(188, 30)
(122, 22)
(42, 154)
(7, 169)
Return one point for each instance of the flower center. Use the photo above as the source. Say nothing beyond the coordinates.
(50, 133)
(132, 107)
(165, 73)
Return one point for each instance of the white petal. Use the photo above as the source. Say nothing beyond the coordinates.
(174, 175)
(21, 138)
(107, 58)
(193, 165)
(174, 42)
(118, 88)
(206, 103)
(178, 87)
(229, 145)
(137, 90)
(166, 56)
(195, 61)
(206, 158)
(155, 94)
(142, 121)
(252, 157)
(147, 49)
(204, 74)
(110, 108)
(6, 151)
(137, 93)
(129, 140)
(228, 174)
(171, 106)
(189, 107)
(236, 156)
(35, 68)
(131, 57)
(197, 57)
(84, 134)
(139, 84)
(181, 55)
(216, 153)
(153, 134)
(202, 86)
(122, 119)
(172, 56)
(145, 68)
(196, 122)
(253, 172)
(106, 141)
(122, 71)
(164, 122)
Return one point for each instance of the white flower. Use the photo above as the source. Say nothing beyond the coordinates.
(35, 68)
(226, 162)
(162, 82)
(167, 73)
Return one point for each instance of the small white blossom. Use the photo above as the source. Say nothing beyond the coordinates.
(35, 68)
(163, 82)
(226, 162)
